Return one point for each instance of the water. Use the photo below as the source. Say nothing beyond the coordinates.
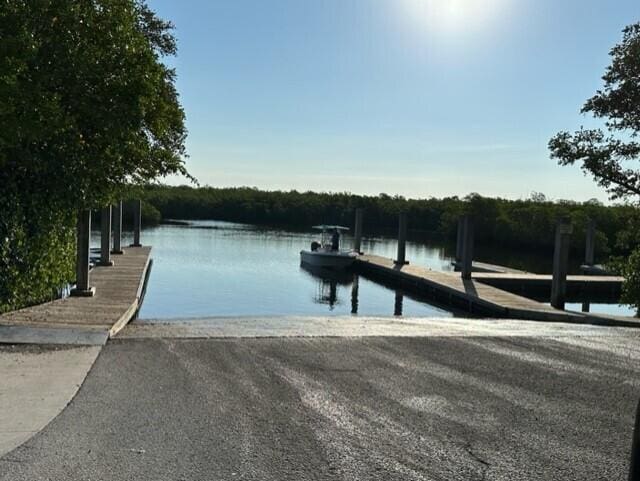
(218, 268)
(214, 268)
(612, 309)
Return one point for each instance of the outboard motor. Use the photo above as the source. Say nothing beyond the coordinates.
(315, 246)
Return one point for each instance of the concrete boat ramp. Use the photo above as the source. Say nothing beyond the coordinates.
(474, 400)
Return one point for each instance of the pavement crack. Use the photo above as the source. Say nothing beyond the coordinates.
(485, 465)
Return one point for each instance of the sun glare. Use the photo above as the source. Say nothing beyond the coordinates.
(455, 16)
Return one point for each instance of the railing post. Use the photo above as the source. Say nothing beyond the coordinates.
(357, 235)
(83, 233)
(459, 237)
(634, 468)
(137, 223)
(467, 246)
(590, 247)
(560, 263)
(402, 239)
(117, 229)
(105, 237)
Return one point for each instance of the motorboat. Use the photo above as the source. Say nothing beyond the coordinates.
(322, 254)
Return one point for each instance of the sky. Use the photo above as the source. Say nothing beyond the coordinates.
(420, 98)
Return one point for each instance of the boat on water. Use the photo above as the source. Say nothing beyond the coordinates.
(324, 253)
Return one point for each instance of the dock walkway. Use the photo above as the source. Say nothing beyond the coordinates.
(476, 296)
(488, 268)
(90, 321)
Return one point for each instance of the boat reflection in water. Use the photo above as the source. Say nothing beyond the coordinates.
(331, 283)
(328, 281)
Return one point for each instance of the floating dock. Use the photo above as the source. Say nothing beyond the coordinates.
(538, 286)
(85, 320)
(478, 297)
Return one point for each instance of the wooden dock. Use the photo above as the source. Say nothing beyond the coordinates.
(77, 320)
(488, 268)
(538, 286)
(475, 296)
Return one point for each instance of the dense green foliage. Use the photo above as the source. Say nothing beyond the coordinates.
(87, 109)
(610, 155)
(522, 223)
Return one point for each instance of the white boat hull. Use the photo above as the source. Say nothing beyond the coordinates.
(330, 259)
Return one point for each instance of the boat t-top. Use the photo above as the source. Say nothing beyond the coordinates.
(327, 253)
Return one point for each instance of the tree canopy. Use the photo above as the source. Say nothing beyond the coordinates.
(610, 154)
(88, 106)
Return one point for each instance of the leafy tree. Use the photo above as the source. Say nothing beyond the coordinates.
(88, 106)
(87, 109)
(611, 154)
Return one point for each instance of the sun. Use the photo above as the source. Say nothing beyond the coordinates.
(455, 16)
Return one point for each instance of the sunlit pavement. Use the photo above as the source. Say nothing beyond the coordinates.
(502, 404)
(36, 384)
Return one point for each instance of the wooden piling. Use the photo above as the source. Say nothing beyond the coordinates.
(117, 229)
(357, 239)
(590, 245)
(459, 240)
(402, 239)
(137, 223)
(560, 264)
(83, 235)
(467, 246)
(105, 237)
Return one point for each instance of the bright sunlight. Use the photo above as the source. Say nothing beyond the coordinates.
(455, 16)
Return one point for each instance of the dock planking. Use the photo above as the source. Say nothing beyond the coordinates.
(78, 320)
(488, 268)
(476, 296)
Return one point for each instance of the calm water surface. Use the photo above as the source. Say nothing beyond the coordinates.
(215, 268)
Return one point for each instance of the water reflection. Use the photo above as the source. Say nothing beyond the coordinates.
(354, 294)
(327, 281)
(213, 268)
(328, 288)
(397, 308)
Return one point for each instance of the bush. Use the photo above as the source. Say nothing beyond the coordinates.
(37, 248)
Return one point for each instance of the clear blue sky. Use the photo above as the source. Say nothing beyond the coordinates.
(413, 97)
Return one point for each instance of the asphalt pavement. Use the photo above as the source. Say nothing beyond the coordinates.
(345, 408)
